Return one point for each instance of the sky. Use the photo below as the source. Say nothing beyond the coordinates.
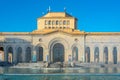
(92, 15)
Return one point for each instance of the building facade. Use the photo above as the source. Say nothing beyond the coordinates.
(58, 40)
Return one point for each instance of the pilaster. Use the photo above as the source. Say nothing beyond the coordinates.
(110, 55)
(91, 54)
(101, 52)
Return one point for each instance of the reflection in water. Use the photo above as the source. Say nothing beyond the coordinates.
(59, 77)
(60, 74)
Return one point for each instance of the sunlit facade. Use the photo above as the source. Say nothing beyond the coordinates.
(58, 40)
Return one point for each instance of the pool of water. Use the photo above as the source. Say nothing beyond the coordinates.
(60, 74)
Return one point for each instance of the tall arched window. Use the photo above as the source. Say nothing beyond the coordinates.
(53, 22)
(19, 54)
(75, 54)
(28, 54)
(57, 22)
(87, 54)
(49, 22)
(1, 54)
(10, 54)
(96, 54)
(58, 52)
(40, 53)
(106, 55)
(115, 55)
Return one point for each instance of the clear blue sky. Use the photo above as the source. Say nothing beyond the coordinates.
(93, 15)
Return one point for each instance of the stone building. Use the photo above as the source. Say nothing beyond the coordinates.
(58, 40)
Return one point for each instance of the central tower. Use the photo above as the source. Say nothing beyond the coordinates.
(56, 20)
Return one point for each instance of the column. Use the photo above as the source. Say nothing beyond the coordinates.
(118, 54)
(14, 55)
(91, 54)
(81, 52)
(51, 55)
(69, 52)
(5, 54)
(110, 55)
(45, 54)
(101, 52)
(23, 54)
(66, 54)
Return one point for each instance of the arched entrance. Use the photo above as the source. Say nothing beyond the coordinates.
(28, 54)
(10, 54)
(58, 52)
(96, 55)
(115, 55)
(75, 54)
(106, 55)
(40, 53)
(1, 54)
(19, 54)
(87, 54)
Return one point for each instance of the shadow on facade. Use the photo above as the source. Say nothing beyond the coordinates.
(15, 50)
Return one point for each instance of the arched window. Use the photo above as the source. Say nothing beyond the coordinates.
(1, 54)
(75, 54)
(57, 22)
(53, 22)
(105, 55)
(19, 55)
(49, 22)
(10, 54)
(87, 54)
(39, 53)
(115, 55)
(96, 54)
(28, 54)
(64, 22)
(58, 52)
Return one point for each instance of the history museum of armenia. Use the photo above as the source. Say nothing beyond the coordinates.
(58, 40)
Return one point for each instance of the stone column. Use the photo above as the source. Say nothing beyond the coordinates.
(5, 54)
(101, 52)
(110, 55)
(45, 54)
(23, 54)
(66, 55)
(81, 54)
(69, 52)
(51, 55)
(14, 55)
(118, 54)
(91, 54)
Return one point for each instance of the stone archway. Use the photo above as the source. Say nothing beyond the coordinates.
(115, 55)
(87, 54)
(58, 52)
(1, 54)
(56, 41)
(106, 55)
(39, 53)
(28, 54)
(10, 54)
(96, 55)
(19, 54)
